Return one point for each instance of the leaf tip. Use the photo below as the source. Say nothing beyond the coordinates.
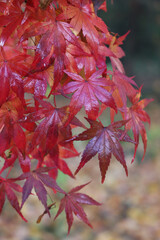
(102, 180)
(126, 170)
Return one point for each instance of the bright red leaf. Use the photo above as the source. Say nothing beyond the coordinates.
(87, 92)
(11, 20)
(56, 35)
(82, 18)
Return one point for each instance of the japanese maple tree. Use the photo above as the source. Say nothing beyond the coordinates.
(51, 48)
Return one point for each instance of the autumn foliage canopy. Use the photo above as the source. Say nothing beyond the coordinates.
(61, 49)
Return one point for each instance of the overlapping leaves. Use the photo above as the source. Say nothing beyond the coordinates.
(59, 48)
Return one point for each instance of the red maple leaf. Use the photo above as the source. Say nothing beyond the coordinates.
(46, 134)
(124, 85)
(11, 132)
(36, 83)
(11, 70)
(54, 161)
(14, 16)
(123, 89)
(87, 92)
(72, 204)
(12, 156)
(83, 18)
(105, 141)
(59, 152)
(137, 116)
(55, 36)
(6, 189)
(37, 179)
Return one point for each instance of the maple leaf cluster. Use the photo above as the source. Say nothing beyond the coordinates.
(59, 48)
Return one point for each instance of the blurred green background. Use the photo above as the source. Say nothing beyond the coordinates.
(142, 46)
(131, 206)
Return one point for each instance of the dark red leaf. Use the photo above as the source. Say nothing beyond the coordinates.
(105, 141)
(72, 204)
(6, 188)
(38, 180)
